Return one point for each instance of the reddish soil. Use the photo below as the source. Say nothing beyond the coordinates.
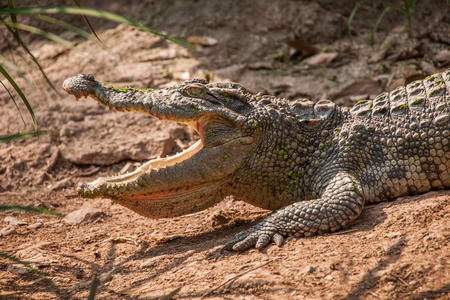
(394, 250)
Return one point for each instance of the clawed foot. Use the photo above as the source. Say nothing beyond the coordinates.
(258, 236)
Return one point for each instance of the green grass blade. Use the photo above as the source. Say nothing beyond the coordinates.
(33, 58)
(171, 294)
(88, 23)
(350, 19)
(65, 25)
(408, 13)
(413, 5)
(93, 289)
(70, 27)
(14, 21)
(89, 12)
(377, 23)
(15, 103)
(12, 65)
(45, 34)
(22, 135)
(404, 12)
(31, 209)
(407, 4)
(16, 69)
(29, 267)
(21, 94)
(5, 39)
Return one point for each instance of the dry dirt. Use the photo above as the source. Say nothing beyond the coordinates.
(395, 250)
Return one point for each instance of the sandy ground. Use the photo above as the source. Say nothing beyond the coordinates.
(394, 250)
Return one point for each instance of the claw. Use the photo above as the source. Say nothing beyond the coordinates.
(247, 243)
(227, 247)
(263, 240)
(258, 237)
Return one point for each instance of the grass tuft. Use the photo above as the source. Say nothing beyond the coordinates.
(29, 267)
(31, 209)
(14, 28)
(408, 11)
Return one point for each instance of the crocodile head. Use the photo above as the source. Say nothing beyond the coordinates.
(198, 177)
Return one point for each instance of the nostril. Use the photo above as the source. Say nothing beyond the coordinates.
(86, 77)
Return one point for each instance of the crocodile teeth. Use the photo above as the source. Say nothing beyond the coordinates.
(156, 164)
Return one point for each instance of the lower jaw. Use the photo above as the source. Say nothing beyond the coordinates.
(165, 196)
(172, 203)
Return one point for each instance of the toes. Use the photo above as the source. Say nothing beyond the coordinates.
(263, 240)
(255, 237)
(237, 243)
(278, 239)
(247, 243)
(227, 247)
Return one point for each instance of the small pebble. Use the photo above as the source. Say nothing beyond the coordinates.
(307, 270)
(389, 287)
(105, 277)
(393, 234)
(14, 221)
(7, 230)
(34, 226)
(152, 262)
(84, 214)
(202, 40)
(17, 269)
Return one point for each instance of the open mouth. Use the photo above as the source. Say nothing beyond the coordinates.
(162, 187)
(189, 181)
(158, 163)
(140, 176)
(186, 182)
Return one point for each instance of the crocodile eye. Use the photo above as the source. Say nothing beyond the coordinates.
(195, 90)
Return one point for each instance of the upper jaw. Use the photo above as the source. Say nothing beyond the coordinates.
(171, 104)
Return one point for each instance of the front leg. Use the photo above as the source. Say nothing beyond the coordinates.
(341, 202)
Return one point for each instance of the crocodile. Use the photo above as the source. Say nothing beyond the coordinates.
(314, 164)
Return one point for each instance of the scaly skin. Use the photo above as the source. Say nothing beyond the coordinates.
(318, 164)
